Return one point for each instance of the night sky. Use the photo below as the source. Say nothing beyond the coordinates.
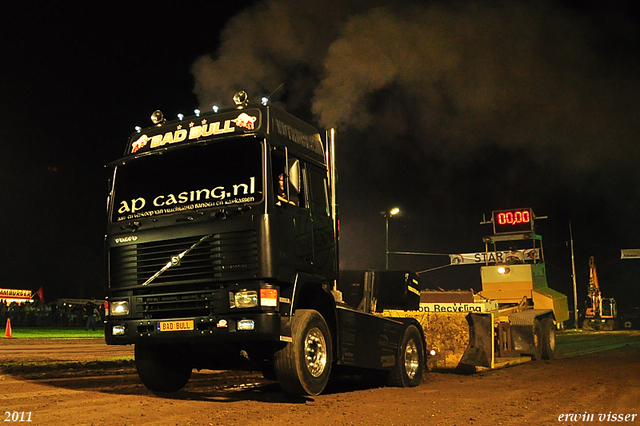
(448, 110)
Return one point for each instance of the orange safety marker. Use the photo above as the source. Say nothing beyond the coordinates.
(7, 330)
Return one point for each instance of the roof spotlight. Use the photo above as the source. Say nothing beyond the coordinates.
(265, 100)
(197, 112)
(157, 117)
(241, 99)
(180, 117)
(138, 129)
(215, 108)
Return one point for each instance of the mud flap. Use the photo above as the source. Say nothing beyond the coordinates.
(480, 349)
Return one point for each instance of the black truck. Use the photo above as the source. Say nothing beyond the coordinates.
(221, 248)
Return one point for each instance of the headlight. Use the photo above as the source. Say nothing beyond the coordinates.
(119, 307)
(118, 330)
(245, 299)
(246, 325)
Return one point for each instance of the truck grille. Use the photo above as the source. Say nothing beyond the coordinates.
(224, 256)
(182, 304)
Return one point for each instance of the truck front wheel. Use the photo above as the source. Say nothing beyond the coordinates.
(304, 364)
(410, 363)
(161, 369)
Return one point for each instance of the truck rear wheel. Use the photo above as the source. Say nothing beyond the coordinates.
(161, 369)
(548, 338)
(410, 361)
(304, 364)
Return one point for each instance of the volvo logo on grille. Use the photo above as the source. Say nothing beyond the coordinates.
(128, 239)
(235, 266)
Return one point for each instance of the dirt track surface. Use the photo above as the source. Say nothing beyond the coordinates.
(71, 387)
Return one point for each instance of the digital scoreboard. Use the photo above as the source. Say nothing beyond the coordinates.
(513, 220)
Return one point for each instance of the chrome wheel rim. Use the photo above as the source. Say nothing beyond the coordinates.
(315, 352)
(411, 359)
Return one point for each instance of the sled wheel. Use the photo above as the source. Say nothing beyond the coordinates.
(304, 364)
(160, 368)
(548, 338)
(538, 340)
(410, 362)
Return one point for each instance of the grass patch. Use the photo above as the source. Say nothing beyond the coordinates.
(55, 333)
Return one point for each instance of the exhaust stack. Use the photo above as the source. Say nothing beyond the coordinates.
(332, 173)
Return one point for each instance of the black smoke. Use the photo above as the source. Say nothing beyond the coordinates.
(451, 110)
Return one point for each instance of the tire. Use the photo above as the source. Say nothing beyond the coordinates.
(303, 366)
(538, 340)
(548, 338)
(410, 360)
(160, 368)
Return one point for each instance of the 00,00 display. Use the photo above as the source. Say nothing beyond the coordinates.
(514, 218)
(507, 221)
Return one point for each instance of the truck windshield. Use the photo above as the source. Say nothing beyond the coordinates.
(200, 177)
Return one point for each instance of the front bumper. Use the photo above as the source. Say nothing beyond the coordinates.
(267, 326)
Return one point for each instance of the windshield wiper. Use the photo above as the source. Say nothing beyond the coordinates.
(175, 260)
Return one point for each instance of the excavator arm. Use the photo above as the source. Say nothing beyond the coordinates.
(594, 290)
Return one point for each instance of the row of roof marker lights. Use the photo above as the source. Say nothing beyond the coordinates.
(197, 112)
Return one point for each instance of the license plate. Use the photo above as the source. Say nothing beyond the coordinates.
(175, 325)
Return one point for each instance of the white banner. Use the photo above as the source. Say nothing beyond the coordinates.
(492, 257)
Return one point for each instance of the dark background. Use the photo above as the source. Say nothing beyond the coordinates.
(448, 110)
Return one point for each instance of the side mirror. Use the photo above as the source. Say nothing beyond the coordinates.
(294, 176)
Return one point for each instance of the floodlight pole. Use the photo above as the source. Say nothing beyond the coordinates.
(575, 287)
(386, 235)
(387, 214)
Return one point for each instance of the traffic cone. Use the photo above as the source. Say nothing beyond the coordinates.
(7, 330)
